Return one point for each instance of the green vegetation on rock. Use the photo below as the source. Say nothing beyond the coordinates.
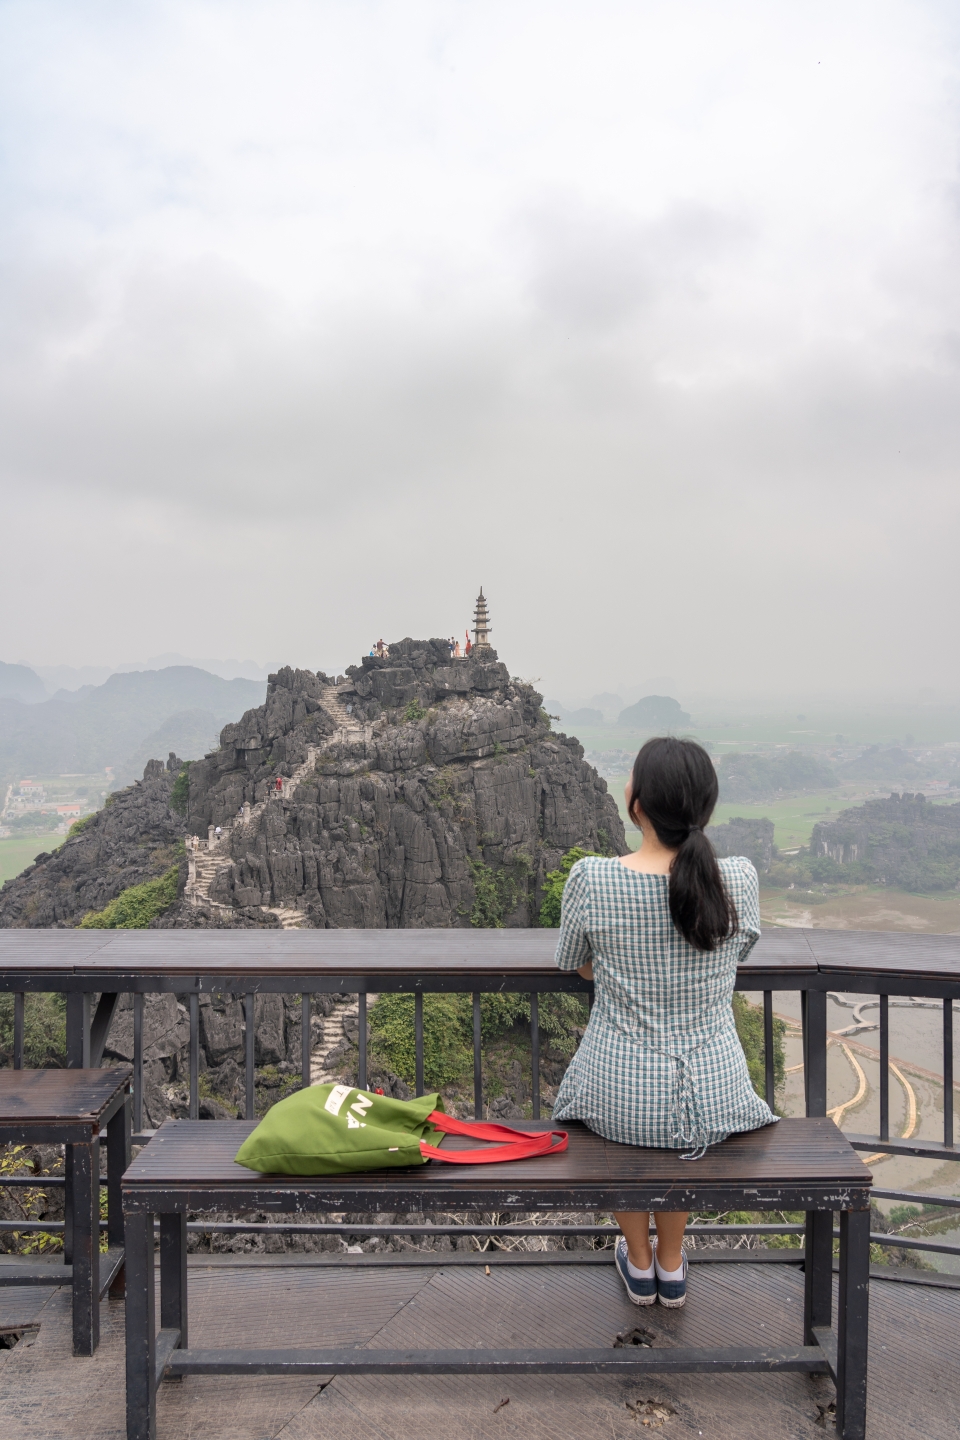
(78, 826)
(448, 1031)
(497, 892)
(44, 1030)
(553, 884)
(134, 908)
(180, 794)
(749, 1022)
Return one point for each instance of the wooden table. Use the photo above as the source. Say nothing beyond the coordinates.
(69, 1108)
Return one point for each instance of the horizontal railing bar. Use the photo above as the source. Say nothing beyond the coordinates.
(345, 1228)
(906, 1242)
(949, 1201)
(922, 1149)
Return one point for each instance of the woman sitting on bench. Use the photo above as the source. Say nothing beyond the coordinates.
(661, 932)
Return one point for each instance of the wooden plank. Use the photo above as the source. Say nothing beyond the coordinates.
(41, 1097)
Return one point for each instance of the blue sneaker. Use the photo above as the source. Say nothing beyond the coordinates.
(672, 1293)
(641, 1292)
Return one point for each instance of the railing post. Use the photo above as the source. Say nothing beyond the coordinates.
(535, 1051)
(18, 1030)
(138, 1000)
(305, 1040)
(769, 1073)
(250, 1036)
(948, 1073)
(815, 1052)
(477, 1061)
(362, 1040)
(194, 1056)
(78, 1030)
(884, 1067)
(418, 1037)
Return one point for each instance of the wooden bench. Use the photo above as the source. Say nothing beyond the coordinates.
(70, 1108)
(803, 1164)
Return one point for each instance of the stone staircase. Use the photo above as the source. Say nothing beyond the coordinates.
(204, 865)
(334, 1033)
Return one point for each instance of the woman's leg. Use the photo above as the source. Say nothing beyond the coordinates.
(636, 1230)
(670, 1227)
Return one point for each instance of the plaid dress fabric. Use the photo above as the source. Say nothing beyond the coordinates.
(660, 1062)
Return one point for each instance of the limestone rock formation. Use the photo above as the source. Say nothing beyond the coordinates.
(135, 837)
(417, 791)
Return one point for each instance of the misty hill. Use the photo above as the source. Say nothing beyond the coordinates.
(106, 724)
(752, 838)
(890, 766)
(419, 792)
(765, 777)
(903, 841)
(19, 682)
(654, 712)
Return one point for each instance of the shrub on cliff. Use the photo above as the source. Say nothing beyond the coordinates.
(44, 1030)
(134, 908)
(553, 884)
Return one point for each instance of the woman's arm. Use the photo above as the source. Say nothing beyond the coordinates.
(586, 970)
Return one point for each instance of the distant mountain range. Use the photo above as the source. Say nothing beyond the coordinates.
(122, 723)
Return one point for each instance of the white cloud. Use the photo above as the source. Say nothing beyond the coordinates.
(644, 315)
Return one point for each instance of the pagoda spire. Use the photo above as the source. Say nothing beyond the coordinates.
(481, 624)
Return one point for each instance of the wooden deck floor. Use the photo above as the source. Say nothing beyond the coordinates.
(47, 1394)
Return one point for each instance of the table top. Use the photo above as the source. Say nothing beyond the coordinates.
(51, 1097)
(197, 1153)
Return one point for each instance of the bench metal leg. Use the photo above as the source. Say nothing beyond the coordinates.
(86, 1247)
(141, 1333)
(118, 1158)
(852, 1324)
(68, 1204)
(173, 1275)
(817, 1273)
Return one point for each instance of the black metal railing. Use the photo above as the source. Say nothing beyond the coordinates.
(91, 1009)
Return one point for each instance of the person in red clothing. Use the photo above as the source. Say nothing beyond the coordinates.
(468, 647)
(279, 784)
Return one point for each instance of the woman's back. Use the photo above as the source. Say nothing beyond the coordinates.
(660, 1063)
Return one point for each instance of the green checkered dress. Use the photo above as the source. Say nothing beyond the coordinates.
(660, 1062)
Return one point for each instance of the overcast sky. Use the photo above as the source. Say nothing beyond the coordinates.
(646, 316)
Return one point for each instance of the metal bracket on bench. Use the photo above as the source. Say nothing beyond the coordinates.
(167, 1342)
(630, 1361)
(827, 1341)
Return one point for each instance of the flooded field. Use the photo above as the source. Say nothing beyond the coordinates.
(853, 1088)
(873, 909)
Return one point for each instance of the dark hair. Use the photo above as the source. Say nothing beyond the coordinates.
(675, 785)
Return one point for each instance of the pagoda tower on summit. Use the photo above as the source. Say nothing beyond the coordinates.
(481, 624)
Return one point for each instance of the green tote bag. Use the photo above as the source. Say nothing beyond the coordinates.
(340, 1130)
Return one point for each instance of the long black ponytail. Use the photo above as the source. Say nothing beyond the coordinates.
(675, 785)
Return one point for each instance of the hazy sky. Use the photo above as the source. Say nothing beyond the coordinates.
(646, 316)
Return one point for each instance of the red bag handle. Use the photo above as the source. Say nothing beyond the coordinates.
(522, 1144)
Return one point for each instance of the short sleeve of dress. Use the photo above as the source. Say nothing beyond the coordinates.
(746, 897)
(573, 947)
